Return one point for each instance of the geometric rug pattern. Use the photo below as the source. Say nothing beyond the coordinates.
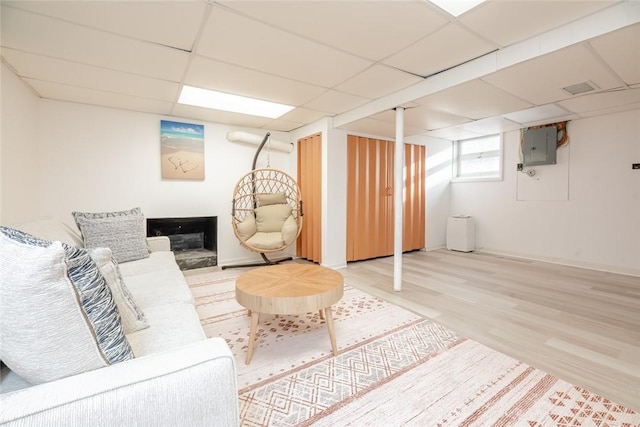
(393, 368)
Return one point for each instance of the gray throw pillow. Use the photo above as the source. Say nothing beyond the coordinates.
(57, 313)
(123, 232)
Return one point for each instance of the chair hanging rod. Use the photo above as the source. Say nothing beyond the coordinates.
(255, 158)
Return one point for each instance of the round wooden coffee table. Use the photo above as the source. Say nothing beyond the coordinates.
(289, 289)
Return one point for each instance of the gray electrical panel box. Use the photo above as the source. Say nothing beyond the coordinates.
(539, 146)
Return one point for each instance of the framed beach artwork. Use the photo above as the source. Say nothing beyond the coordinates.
(181, 150)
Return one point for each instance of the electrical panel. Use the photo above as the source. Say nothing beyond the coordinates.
(539, 146)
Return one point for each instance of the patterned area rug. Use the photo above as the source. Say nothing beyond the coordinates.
(394, 368)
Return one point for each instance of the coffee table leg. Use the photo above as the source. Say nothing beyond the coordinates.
(332, 331)
(252, 335)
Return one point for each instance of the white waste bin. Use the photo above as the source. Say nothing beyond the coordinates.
(461, 234)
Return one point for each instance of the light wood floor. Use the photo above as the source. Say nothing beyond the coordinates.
(580, 325)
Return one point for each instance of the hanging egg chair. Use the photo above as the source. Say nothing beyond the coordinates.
(266, 213)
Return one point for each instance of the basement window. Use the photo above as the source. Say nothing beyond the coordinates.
(478, 159)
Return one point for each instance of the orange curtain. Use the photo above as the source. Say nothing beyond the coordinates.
(309, 245)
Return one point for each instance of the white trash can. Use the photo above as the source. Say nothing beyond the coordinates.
(461, 234)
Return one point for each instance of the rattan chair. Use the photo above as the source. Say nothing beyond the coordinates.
(266, 212)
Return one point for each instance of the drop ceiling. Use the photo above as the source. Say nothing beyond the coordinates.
(500, 66)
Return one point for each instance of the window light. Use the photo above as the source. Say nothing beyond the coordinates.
(456, 7)
(227, 102)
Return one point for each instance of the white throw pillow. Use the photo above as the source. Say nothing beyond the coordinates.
(132, 317)
(57, 314)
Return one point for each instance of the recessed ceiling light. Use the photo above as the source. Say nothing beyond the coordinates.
(456, 7)
(227, 102)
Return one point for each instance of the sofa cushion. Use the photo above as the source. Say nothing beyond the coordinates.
(155, 281)
(57, 314)
(132, 317)
(122, 231)
(153, 289)
(172, 326)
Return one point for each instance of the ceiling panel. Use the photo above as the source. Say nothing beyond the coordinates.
(238, 40)
(95, 97)
(378, 81)
(147, 20)
(543, 113)
(216, 75)
(218, 116)
(321, 57)
(50, 37)
(454, 133)
(507, 22)
(491, 125)
(541, 80)
(449, 46)
(601, 101)
(282, 125)
(369, 126)
(372, 30)
(423, 118)
(475, 99)
(54, 70)
(302, 115)
(621, 50)
(334, 102)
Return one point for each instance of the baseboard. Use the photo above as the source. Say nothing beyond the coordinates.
(568, 262)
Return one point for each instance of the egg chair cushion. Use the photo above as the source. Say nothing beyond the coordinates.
(246, 228)
(271, 218)
(266, 240)
(266, 199)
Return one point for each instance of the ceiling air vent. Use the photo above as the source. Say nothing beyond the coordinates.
(580, 88)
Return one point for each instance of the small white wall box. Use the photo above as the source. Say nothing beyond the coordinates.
(461, 233)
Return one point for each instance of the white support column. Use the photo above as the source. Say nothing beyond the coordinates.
(398, 184)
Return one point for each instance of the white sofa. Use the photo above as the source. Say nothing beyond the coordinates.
(177, 378)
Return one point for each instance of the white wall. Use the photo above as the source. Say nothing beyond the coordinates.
(439, 169)
(102, 159)
(597, 227)
(19, 159)
(334, 190)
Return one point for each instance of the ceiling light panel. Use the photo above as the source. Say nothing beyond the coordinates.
(456, 7)
(233, 103)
